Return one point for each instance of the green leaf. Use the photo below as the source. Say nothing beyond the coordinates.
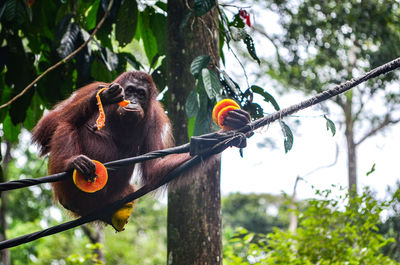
(202, 7)
(191, 124)
(110, 59)
(206, 79)
(158, 23)
(131, 59)
(192, 104)
(198, 64)
(162, 6)
(230, 86)
(288, 136)
(83, 66)
(34, 113)
(90, 22)
(149, 41)
(10, 130)
(14, 11)
(203, 118)
(99, 71)
(2, 10)
(5, 95)
(69, 40)
(28, 11)
(251, 48)
(202, 125)
(160, 76)
(372, 170)
(330, 125)
(216, 83)
(61, 28)
(224, 33)
(255, 110)
(267, 96)
(18, 109)
(126, 24)
(138, 32)
(185, 21)
(237, 22)
(154, 61)
(211, 83)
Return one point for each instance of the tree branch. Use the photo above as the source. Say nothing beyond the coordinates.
(386, 121)
(324, 166)
(67, 58)
(95, 236)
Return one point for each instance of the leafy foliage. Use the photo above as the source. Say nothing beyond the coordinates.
(330, 232)
(198, 64)
(211, 84)
(127, 19)
(14, 11)
(267, 96)
(257, 213)
(251, 48)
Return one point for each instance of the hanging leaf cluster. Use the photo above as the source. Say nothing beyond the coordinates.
(235, 29)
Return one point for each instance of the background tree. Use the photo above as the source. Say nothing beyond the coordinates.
(324, 43)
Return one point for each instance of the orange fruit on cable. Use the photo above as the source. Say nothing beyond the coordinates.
(82, 183)
(222, 115)
(221, 110)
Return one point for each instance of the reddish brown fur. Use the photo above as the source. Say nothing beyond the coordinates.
(65, 132)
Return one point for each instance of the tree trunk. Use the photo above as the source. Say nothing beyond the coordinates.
(351, 148)
(293, 216)
(95, 234)
(351, 162)
(5, 253)
(194, 211)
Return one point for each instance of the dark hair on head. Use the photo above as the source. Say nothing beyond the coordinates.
(141, 76)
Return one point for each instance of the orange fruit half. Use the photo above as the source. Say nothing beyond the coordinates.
(88, 186)
(222, 115)
(221, 110)
(220, 105)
